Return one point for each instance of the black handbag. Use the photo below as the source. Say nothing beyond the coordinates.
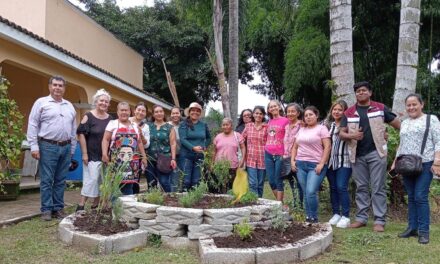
(164, 163)
(410, 165)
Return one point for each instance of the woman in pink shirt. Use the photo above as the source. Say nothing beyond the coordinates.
(226, 145)
(274, 149)
(310, 154)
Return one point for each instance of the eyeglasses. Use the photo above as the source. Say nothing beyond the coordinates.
(249, 116)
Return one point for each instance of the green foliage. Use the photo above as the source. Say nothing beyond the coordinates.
(393, 144)
(195, 195)
(214, 120)
(11, 135)
(278, 221)
(154, 240)
(249, 198)
(220, 176)
(112, 176)
(244, 230)
(153, 196)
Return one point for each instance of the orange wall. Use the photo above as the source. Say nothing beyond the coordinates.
(63, 24)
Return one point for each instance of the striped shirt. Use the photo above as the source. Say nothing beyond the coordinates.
(339, 152)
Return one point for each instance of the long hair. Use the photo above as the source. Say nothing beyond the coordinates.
(329, 119)
(262, 110)
(280, 106)
(298, 108)
(152, 116)
(240, 119)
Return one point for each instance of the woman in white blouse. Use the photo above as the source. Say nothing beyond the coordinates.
(411, 136)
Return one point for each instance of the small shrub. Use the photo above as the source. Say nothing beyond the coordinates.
(278, 221)
(154, 240)
(153, 196)
(249, 198)
(194, 195)
(244, 230)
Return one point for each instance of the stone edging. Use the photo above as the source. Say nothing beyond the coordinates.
(100, 244)
(300, 250)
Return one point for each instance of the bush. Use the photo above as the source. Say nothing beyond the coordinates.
(153, 196)
(249, 198)
(244, 230)
(278, 219)
(194, 195)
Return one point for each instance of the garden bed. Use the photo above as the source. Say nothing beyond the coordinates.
(263, 237)
(207, 202)
(99, 223)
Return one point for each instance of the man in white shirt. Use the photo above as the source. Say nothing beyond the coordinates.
(52, 137)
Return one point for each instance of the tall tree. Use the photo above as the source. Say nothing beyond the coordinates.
(408, 53)
(341, 49)
(217, 22)
(233, 58)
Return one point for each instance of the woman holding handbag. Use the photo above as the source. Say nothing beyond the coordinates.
(419, 138)
(162, 149)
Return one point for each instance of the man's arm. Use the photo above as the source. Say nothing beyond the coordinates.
(33, 129)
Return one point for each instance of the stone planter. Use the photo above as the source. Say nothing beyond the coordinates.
(287, 253)
(99, 244)
(187, 225)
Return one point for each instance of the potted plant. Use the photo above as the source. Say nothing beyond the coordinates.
(11, 137)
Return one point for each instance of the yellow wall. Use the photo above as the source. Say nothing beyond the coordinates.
(63, 24)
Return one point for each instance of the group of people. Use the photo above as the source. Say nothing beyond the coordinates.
(292, 145)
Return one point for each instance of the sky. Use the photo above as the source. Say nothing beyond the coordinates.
(247, 98)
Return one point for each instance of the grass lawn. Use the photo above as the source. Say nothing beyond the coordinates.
(35, 241)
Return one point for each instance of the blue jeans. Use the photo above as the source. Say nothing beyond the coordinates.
(53, 167)
(127, 189)
(190, 163)
(164, 178)
(418, 202)
(273, 170)
(340, 199)
(310, 182)
(256, 180)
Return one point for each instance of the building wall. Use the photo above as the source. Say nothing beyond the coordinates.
(63, 24)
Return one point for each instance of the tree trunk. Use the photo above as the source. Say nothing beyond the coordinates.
(217, 19)
(341, 50)
(408, 54)
(233, 59)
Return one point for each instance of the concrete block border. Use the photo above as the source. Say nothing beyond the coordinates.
(99, 244)
(300, 250)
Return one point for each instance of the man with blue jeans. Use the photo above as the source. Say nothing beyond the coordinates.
(52, 137)
(363, 127)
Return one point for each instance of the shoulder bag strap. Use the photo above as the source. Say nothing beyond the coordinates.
(425, 137)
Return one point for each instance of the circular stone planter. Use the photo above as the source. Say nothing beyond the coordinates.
(99, 244)
(287, 253)
(190, 224)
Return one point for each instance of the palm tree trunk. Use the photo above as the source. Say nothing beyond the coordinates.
(341, 50)
(408, 53)
(233, 58)
(217, 19)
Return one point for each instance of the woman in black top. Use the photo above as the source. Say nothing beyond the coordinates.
(90, 133)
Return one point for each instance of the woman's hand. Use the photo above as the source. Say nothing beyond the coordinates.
(105, 158)
(241, 164)
(144, 162)
(318, 168)
(198, 149)
(435, 169)
(173, 164)
(293, 165)
(393, 166)
(85, 158)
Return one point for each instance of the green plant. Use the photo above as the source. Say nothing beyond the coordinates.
(112, 176)
(194, 195)
(153, 196)
(11, 135)
(278, 221)
(154, 240)
(244, 230)
(249, 197)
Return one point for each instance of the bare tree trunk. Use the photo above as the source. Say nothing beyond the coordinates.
(233, 58)
(341, 49)
(217, 19)
(408, 54)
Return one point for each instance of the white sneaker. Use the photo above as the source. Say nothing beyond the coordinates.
(335, 219)
(344, 222)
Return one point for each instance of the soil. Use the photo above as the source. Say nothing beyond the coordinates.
(267, 238)
(101, 223)
(207, 202)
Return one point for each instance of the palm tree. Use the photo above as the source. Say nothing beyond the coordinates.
(408, 53)
(233, 58)
(341, 49)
